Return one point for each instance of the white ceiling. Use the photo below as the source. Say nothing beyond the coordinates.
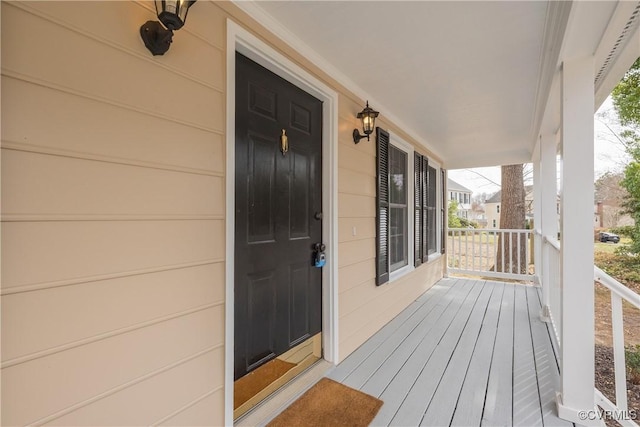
(474, 81)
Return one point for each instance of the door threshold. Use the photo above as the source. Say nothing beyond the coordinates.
(272, 406)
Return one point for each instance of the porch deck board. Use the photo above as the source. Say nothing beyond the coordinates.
(526, 398)
(498, 403)
(470, 412)
(442, 406)
(413, 326)
(377, 383)
(406, 379)
(546, 363)
(467, 352)
(412, 409)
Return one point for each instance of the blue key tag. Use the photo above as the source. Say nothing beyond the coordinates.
(320, 260)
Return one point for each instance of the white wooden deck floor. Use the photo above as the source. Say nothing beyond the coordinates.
(466, 353)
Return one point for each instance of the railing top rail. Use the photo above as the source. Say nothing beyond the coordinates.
(616, 287)
(553, 242)
(492, 230)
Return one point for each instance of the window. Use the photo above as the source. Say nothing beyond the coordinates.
(498, 208)
(494, 223)
(394, 235)
(398, 215)
(426, 215)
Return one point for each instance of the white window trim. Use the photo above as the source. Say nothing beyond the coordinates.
(403, 145)
(438, 167)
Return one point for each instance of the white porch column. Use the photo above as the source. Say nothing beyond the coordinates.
(577, 376)
(549, 212)
(537, 216)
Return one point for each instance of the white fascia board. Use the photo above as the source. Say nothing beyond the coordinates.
(620, 45)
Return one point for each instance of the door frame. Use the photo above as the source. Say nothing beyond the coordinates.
(241, 40)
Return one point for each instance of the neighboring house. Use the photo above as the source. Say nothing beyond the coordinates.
(462, 195)
(608, 216)
(492, 210)
(478, 214)
(493, 206)
(162, 216)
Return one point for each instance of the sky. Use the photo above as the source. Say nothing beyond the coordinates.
(608, 156)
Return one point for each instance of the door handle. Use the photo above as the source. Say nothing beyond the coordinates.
(319, 257)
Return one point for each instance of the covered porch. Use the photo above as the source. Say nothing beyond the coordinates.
(119, 205)
(582, 50)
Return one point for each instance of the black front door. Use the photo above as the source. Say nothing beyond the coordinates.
(278, 290)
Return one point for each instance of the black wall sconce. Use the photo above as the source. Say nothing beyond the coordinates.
(368, 117)
(173, 14)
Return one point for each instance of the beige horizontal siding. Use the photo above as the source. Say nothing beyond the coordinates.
(49, 318)
(357, 206)
(365, 228)
(209, 407)
(113, 217)
(177, 386)
(89, 66)
(357, 160)
(49, 185)
(356, 251)
(354, 274)
(51, 253)
(350, 182)
(84, 372)
(91, 128)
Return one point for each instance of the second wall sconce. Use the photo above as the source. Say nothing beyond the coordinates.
(368, 117)
(172, 14)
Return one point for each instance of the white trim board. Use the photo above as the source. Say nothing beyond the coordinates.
(240, 40)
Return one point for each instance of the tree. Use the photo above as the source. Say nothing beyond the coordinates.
(631, 183)
(626, 97)
(512, 216)
(608, 189)
(453, 220)
(611, 195)
(626, 101)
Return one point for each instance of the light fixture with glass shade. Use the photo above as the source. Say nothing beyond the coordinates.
(368, 118)
(157, 36)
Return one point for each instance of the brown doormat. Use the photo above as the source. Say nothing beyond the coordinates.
(256, 381)
(329, 403)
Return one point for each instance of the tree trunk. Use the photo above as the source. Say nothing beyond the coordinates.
(512, 216)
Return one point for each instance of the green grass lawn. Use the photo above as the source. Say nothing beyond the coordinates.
(610, 247)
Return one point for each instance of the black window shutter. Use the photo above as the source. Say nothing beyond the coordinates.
(382, 202)
(425, 208)
(443, 208)
(419, 185)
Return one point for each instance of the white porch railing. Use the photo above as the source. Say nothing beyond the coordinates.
(479, 252)
(550, 280)
(619, 292)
